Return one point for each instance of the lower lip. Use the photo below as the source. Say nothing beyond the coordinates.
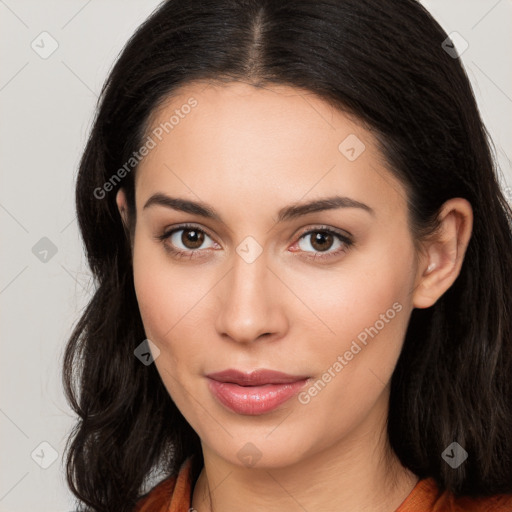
(254, 400)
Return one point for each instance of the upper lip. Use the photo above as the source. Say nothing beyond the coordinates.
(255, 378)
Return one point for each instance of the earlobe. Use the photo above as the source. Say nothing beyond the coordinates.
(444, 253)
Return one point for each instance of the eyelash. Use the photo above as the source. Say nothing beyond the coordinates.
(193, 253)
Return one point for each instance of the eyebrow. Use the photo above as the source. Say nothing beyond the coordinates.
(287, 213)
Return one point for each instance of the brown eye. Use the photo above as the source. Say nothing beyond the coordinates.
(192, 238)
(186, 240)
(321, 241)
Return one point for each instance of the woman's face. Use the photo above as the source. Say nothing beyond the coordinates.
(260, 281)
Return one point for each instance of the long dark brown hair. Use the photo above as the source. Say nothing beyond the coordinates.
(383, 62)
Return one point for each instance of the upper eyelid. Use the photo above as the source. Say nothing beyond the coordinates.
(337, 231)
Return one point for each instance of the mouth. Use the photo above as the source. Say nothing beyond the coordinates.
(254, 393)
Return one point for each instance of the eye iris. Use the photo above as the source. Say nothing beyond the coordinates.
(320, 239)
(192, 239)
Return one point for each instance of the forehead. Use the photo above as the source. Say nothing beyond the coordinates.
(257, 113)
(218, 139)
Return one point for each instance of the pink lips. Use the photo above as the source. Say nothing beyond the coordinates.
(254, 393)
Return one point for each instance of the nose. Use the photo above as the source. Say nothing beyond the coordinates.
(251, 303)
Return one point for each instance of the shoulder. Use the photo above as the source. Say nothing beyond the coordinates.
(425, 497)
(171, 494)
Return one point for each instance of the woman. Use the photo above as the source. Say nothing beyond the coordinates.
(302, 258)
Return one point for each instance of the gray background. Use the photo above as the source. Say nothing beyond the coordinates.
(47, 106)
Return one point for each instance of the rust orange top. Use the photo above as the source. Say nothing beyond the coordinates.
(174, 495)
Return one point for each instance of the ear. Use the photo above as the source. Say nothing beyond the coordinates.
(443, 254)
(122, 206)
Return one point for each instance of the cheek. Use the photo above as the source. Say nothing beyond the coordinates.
(371, 291)
(356, 364)
(150, 283)
(163, 311)
(365, 308)
(171, 301)
(157, 304)
(375, 304)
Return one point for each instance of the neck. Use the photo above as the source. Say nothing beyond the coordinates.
(358, 473)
